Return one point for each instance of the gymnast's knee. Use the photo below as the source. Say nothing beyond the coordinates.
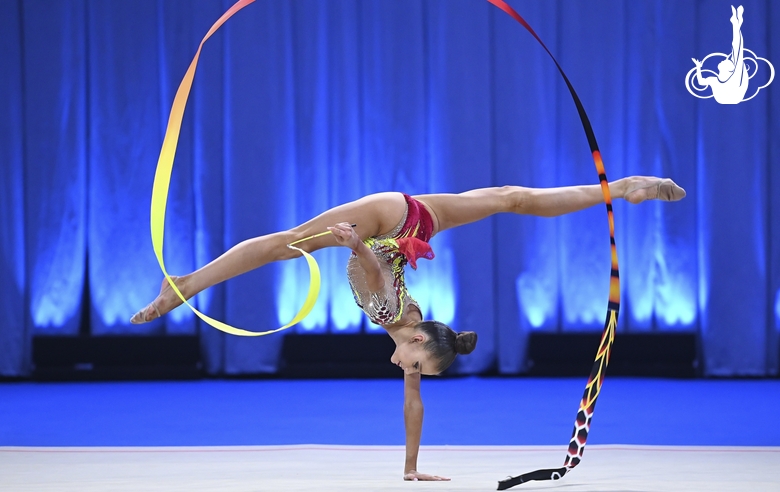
(296, 234)
(278, 245)
(285, 239)
(514, 199)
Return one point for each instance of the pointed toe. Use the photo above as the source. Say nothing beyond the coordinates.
(143, 316)
(669, 191)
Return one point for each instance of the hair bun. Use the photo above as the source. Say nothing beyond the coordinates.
(465, 342)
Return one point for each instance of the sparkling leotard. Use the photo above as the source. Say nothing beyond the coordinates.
(406, 243)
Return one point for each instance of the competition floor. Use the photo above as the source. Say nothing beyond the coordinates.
(647, 435)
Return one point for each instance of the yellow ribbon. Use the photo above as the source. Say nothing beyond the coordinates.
(162, 180)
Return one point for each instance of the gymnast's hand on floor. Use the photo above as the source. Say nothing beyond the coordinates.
(414, 475)
(345, 235)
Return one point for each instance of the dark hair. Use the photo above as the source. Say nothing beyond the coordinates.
(444, 344)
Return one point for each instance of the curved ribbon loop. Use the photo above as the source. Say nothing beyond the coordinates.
(162, 180)
(598, 371)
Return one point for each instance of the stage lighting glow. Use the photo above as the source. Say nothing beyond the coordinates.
(334, 302)
(676, 303)
(115, 311)
(668, 299)
(288, 293)
(536, 303)
(583, 309)
(641, 301)
(344, 314)
(434, 283)
(56, 286)
(443, 286)
(49, 312)
(777, 310)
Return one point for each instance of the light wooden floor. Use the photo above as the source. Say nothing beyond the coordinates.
(378, 468)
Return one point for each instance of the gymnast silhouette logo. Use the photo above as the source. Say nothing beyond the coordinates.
(729, 84)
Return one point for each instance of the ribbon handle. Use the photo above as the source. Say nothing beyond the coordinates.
(162, 180)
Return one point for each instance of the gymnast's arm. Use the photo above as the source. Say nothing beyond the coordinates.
(369, 263)
(413, 419)
(345, 236)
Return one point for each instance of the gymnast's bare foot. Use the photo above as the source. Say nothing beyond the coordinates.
(641, 188)
(165, 302)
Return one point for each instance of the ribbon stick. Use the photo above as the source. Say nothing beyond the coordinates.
(162, 180)
(598, 371)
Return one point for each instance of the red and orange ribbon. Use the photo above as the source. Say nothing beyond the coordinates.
(598, 371)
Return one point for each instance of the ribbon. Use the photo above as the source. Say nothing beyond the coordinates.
(162, 180)
(593, 388)
(598, 371)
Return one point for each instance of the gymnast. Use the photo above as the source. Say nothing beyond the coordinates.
(384, 231)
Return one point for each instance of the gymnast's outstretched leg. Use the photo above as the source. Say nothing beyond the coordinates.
(374, 215)
(453, 210)
(378, 214)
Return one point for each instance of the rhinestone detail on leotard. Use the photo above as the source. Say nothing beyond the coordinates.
(388, 305)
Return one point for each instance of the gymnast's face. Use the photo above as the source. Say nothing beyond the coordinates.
(412, 358)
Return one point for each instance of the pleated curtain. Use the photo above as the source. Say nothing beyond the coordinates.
(302, 105)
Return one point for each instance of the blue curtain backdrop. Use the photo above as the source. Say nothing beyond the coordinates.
(301, 105)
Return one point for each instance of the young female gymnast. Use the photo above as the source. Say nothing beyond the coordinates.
(391, 229)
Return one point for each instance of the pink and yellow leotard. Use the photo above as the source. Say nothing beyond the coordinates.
(406, 243)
